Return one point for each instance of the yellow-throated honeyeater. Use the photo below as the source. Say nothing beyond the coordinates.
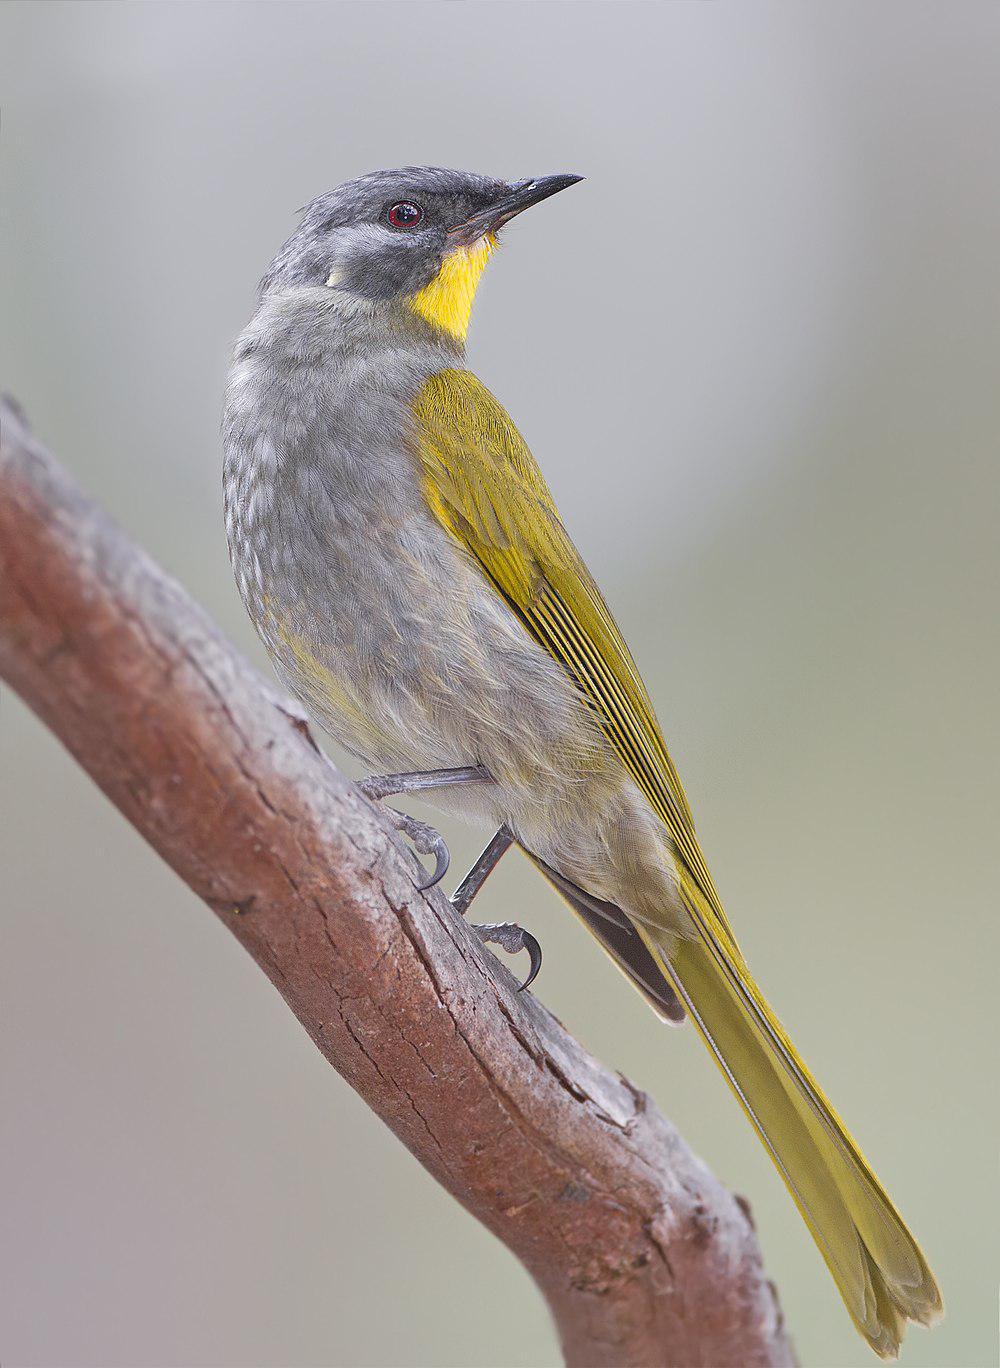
(402, 558)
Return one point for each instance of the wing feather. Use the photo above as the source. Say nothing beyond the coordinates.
(485, 487)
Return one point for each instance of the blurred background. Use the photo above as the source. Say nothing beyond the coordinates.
(756, 354)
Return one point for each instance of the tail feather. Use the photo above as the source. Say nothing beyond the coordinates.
(875, 1261)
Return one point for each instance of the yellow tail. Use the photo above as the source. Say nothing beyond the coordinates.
(876, 1263)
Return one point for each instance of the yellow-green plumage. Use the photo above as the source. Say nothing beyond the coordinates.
(484, 487)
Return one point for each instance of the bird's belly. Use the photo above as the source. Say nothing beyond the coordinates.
(414, 662)
(429, 669)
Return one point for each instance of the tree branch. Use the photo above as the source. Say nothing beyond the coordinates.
(644, 1258)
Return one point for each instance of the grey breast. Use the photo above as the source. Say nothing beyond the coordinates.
(328, 531)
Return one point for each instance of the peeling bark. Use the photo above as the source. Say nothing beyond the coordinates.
(644, 1258)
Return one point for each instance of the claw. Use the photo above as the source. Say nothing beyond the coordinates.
(513, 938)
(535, 954)
(426, 841)
(442, 859)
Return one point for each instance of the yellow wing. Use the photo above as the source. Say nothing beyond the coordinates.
(484, 485)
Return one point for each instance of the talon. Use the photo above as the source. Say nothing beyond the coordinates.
(442, 859)
(513, 938)
(426, 841)
(535, 953)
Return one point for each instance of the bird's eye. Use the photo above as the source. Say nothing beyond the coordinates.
(405, 215)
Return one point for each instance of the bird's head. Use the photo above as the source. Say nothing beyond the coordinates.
(421, 235)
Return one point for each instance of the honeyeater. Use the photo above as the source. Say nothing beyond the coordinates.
(406, 567)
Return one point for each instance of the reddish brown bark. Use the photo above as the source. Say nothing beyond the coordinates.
(644, 1258)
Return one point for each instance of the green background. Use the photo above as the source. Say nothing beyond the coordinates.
(756, 354)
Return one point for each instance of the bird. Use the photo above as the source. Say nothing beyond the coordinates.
(404, 563)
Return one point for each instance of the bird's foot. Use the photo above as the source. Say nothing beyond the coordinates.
(425, 840)
(508, 935)
(512, 938)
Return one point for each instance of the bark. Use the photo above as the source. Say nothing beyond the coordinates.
(642, 1255)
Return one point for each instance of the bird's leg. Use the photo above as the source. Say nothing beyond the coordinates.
(508, 935)
(480, 871)
(385, 785)
(425, 839)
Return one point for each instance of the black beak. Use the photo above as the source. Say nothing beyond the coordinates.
(521, 195)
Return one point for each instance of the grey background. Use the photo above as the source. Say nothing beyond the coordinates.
(756, 354)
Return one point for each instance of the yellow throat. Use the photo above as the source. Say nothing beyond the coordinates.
(447, 300)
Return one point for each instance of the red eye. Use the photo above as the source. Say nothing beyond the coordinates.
(405, 215)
